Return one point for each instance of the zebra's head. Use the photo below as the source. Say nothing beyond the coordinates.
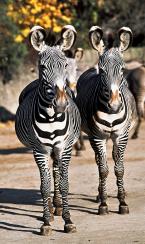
(110, 66)
(53, 64)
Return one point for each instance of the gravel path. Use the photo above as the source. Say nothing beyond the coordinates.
(21, 204)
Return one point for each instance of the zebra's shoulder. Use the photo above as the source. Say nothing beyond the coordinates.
(89, 72)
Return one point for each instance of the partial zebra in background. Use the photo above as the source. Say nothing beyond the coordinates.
(48, 121)
(107, 110)
(74, 73)
(136, 83)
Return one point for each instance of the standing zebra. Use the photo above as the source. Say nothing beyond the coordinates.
(107, 110)
(48, 121)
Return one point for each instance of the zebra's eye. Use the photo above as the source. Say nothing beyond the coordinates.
(122, 71)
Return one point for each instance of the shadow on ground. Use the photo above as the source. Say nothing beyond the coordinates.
(19, 150)
(24, 197)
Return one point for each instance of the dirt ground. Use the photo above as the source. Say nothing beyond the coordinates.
(21, 204)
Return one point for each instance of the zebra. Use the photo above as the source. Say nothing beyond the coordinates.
(136, 84)
(48, 121)
(73, 73)
(107, 110)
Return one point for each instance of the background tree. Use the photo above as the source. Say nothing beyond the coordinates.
(11, 53)
(51, 14)
(18, 16)
(84, 16)
(115, 14)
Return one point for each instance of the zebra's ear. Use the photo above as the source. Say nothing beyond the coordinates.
(68, 37)
(79, 52)
(125, 37)
(37, 37)
(95, 37)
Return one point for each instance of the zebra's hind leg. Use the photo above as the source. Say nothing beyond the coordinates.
(77, 148)
(118, 153)
(82, 141)
(41, 160)
(136, 130)
(99, 147)
(80, 145)
(69, 226)
(57, 200)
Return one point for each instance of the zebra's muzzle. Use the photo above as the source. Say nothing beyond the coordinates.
(61, 102)
(115, 101)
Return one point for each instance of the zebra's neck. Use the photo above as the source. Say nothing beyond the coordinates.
(46, 93)
(44, 107)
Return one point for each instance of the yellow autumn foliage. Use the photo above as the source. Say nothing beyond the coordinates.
(47, 13)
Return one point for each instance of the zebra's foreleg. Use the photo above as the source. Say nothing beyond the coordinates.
(118, 154)
(69, 226)
(41, 160)
(57, 200)
(99, 148)
(103, 173)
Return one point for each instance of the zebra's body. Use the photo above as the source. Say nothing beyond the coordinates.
(136, 83)
(108, 111)
(48, 121)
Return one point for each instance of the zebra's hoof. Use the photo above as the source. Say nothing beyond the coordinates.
(103, 209)
(123, 209)
(70, 228)
(45, 230)
(58, 211)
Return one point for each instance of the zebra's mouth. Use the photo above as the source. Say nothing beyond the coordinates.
(115, 107)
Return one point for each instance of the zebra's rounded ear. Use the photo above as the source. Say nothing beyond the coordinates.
(68, 37)
(95, 37)
(125, 37)
(79, 52)
(37, 37)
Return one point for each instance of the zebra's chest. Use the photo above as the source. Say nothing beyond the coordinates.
(53, 131)
(110, 122)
